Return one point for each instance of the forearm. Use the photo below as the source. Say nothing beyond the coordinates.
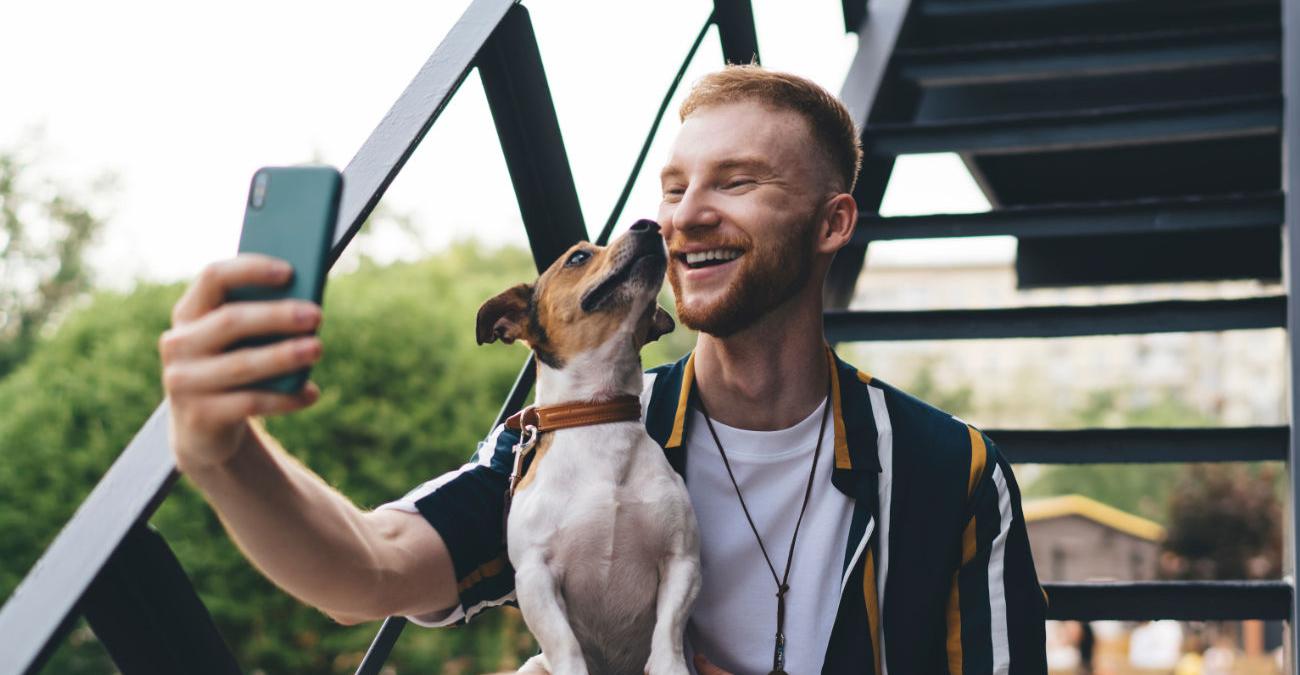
(301, 533)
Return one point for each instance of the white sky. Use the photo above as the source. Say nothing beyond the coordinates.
(184, 102)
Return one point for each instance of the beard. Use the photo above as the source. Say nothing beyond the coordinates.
(768, 275)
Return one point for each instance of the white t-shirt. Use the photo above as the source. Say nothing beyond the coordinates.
(734, 619)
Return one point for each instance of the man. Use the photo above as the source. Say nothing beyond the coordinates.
(913, 556)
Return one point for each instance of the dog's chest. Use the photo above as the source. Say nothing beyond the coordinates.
(595, 493)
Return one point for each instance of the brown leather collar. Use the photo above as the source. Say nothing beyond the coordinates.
(624, 408)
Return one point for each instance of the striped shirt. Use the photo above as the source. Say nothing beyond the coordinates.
(937, 574)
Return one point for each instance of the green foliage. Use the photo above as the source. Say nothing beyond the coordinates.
(926, 386)
(406, 395)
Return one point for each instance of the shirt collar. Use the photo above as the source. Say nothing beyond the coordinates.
(855, 429)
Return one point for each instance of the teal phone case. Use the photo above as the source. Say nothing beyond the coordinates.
(290, 214)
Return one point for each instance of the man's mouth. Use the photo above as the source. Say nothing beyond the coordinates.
(709, 258)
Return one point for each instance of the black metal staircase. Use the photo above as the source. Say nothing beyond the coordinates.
(1119, 140)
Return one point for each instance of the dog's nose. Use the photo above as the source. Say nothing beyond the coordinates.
(644, 225)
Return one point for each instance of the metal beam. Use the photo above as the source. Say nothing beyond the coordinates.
(855, 12)
(1167, 316)
(1142, 445)
(1039, 59)
(1145, 216)
(1179, 600)
(969, 8)
(514, 80)
(127, 494)
(864, 91)
(1291, 268)
(148, 617)
(735, 22)
(1100, 127)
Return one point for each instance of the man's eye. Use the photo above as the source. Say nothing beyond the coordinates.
(577, 258)
(739, 182)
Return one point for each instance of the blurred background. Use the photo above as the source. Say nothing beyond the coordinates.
(130, 133)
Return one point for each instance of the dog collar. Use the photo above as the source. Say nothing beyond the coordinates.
(624, 408)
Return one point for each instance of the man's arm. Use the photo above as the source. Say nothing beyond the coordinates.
(996, 608)
(302, 534)
(317, 545)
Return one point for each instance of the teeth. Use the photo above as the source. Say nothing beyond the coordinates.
(715, 254)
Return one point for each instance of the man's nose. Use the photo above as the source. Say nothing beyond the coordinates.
(694, 211)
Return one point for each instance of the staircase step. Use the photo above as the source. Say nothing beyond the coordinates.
(1164, 316)
(1101, 127)
(1143, 216)
(970, 8)
(1147, 51)
(1142, 445)
(950, 22)
(1180, 600)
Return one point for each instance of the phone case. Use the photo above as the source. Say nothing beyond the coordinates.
(291, 214)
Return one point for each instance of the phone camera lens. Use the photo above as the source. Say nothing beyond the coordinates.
(258, 195)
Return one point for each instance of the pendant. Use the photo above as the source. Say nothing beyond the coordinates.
(778, 656)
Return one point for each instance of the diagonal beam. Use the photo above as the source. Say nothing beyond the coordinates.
(510, 66)
(863, 93)
(147, 615)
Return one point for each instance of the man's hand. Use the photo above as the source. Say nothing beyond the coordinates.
(704, 666)
(209, 412)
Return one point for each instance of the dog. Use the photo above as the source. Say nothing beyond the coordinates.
(600, 529)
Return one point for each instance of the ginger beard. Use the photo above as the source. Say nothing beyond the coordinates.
(767, 275)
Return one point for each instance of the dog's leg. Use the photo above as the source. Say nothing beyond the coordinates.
(679, 583)
(543, 611)
(535, 666)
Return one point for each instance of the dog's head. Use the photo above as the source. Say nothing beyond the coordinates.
(587, 297)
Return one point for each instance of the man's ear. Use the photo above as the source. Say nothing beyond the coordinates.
(661, 324)
(505, 316)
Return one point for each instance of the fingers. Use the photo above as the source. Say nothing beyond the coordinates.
(209, 291)
(703, 666)
(221, 410)
(214, 331)
(183, 377)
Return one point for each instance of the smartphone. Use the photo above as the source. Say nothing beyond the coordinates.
(290, 214)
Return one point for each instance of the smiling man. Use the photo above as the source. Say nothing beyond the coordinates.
(846, 527)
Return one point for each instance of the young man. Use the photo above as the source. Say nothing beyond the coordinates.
(911, 554)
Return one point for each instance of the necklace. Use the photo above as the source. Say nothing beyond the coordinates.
(782, 582)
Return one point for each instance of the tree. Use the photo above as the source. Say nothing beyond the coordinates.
(45, 229)
(1225, 522)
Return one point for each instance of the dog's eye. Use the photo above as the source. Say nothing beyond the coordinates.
(577, 258)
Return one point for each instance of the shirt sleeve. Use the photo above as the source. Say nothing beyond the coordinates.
(996, 608)
(466, 506)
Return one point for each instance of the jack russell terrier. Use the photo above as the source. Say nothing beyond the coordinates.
(599, 528)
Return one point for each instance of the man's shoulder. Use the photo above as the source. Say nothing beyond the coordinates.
(931, 434)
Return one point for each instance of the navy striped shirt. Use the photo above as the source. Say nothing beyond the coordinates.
(937, 574)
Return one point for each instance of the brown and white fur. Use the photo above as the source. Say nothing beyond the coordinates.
(601, 533)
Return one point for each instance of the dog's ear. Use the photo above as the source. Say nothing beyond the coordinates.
(505, 316)
(661, 324)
